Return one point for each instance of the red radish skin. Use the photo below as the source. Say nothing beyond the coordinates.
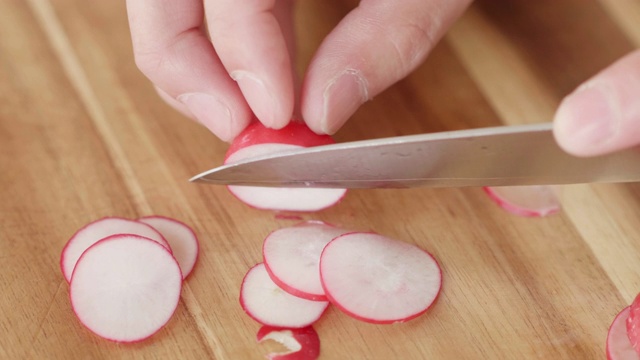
(258, 140)
(125, 288)
(379, 280)
(527, 201)
(267, 304)
(633, 324)
(181, 238)
(100, 229)
(303, 344)
(292, 257)
(618, 344)
(295, 133)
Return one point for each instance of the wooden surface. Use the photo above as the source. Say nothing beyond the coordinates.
(83, 135)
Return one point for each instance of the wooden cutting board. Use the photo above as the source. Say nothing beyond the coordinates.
(83, 135)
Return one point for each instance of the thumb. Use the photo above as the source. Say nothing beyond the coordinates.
(375, 45)
(602, 115)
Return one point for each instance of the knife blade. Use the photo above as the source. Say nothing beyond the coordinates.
(496, 156)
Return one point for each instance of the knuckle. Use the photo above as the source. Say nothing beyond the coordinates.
(411, 41)
(154, 61)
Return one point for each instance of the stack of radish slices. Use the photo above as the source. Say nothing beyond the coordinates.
(623, 340)
(366, 275)
(126, 275)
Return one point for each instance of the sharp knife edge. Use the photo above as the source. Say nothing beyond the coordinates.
(506, 155)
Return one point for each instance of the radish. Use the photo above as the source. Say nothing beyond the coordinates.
(292, 257)
(379, 280)
(97, 230)
(295, 133)
(125, 287)
(266, 303)
(633, 324)
(303, 344)
(618, 345)
(530, 200)
(257, 140)
(181, 238)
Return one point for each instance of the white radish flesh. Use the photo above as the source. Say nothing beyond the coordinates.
(257, 140)
(618, 344)
(266, 303)
(292, 257)
(125, 288)
(379, 280)
(98, 230)
(181, 238)
(529, 201)
(291, 199)
(303, 344)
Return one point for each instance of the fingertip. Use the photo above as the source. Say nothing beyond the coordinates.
(175, 104)
(373, 47)
(584, 122)
(271, 110)
(262, 66)
(219, 116)
(587, 121)
(172, 50)
(342, 95)
(603, 115)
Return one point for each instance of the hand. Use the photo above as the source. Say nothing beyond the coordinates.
(375, 45)
(603, 114)
(243, 68)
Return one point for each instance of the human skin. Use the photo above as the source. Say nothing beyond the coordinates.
(238, 63)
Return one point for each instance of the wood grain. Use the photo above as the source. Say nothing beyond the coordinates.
(83, 135)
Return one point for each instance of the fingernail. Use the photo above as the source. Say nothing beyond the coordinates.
(589, 117)
(259, 97)
(210, 112)
(342, 97)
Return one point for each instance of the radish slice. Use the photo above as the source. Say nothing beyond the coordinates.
(379, 280)
(125, 287)
(258, 140)
(303, 344)
(98, 230)
(181, 238)
(633, 324)
(618, 345)
(266, 303)
(292, 257)
(529, 201)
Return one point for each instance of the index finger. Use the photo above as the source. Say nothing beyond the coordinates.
(250, 42)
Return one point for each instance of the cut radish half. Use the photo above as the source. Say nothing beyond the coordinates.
(530, 200)
(618, 345)
(303, 344)
(295, 133)
(379, 280)
(181, 238)
(258, 140)
(98, 230)
(292, 257)
(633, 324)
(266, 303)
(125, 287)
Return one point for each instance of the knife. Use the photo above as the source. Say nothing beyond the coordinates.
(496, 156)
